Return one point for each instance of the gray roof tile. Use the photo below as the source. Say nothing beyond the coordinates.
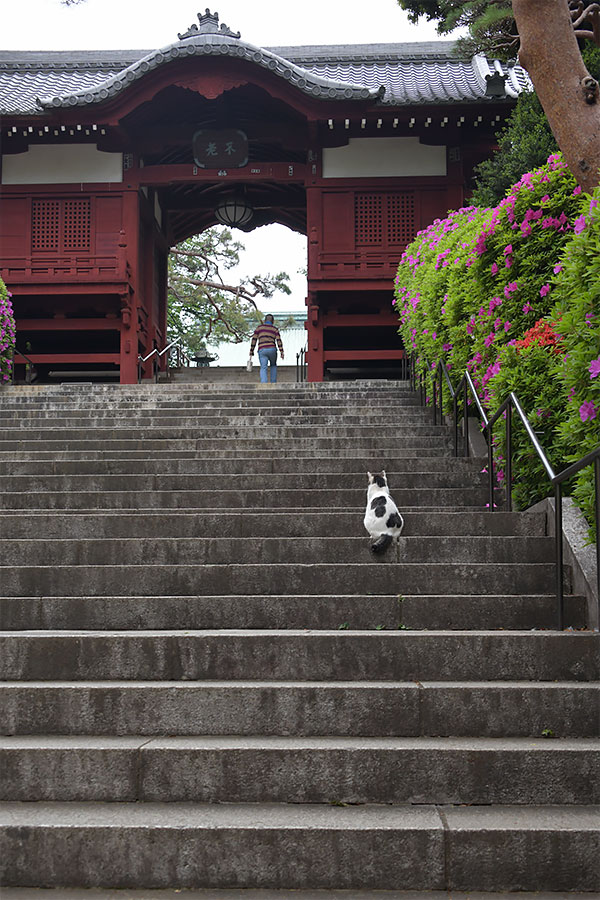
(391, 74)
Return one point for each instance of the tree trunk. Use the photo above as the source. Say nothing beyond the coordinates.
(569, 96)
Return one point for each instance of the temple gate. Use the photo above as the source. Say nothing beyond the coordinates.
(110, 158)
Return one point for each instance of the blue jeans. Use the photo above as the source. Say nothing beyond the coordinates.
(268, 355)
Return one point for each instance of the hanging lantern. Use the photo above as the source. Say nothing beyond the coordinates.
(234, 211)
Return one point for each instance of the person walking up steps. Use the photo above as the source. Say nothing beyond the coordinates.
(269, 340)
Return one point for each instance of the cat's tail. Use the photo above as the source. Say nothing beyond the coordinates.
(382, 543)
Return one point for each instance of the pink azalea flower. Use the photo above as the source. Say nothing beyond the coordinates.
(490, 339)
(527, 308)
(494, 268)
(508, 249)
(577, 190)
(544, 290)
(594, 368)
(508, 262)
(507, 326)
(587, 410)
(557, 268)
(579, 224)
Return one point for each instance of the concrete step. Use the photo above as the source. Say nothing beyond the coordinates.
(266, 845)
(163, 450)
(313, 482)
(231, 769)
(299, 655)
(369, 444)
(311, 708)
(200, 416)
(171, 498)
(395, 467)
(358, 611)
(225, 550)
(237, 522)
(296, 578)
(279, 894)
(360, 433)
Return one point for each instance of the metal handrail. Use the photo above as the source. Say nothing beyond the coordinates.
(556, 479)
(301, 365)
(28, 367)
(157, 354)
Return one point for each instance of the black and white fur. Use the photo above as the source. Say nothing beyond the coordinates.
(382, 519)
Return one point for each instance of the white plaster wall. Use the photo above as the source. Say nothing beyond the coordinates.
(383, 158)
(62, 164)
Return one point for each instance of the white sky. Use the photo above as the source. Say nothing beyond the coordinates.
(137, 24)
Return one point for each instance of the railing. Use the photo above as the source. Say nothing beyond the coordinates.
(301, 365)
(156, 355)
(440, 376)
(29, 366)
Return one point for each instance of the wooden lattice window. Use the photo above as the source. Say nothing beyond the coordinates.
(77, 223)
(45, 225)
(401, 218)
(382, 220)
(62, 226)
(368, 219)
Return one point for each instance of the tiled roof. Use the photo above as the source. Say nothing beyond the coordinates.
(389, 74)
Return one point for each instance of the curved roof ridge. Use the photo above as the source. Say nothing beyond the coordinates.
(216, 45)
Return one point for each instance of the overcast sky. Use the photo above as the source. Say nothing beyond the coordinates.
(133, 24)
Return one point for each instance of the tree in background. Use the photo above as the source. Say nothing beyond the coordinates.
(546, 35)
(203, 308)
(525, 142)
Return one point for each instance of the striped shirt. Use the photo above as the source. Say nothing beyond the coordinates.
(266, 335)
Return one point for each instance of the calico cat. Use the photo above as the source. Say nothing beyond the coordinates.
(382, 519)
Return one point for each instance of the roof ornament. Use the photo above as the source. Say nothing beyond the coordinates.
(495, 85)
(209, 24)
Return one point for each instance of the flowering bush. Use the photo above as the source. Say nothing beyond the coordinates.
(506, 294)
(7, 334)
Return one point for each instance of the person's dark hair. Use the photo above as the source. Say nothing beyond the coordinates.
(269, 318)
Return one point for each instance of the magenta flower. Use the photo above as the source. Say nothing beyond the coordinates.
(544, 290)
(594, 368)
(490, 339)
(579, 224)
(577, 190)
(508, 249)
(507, 326)
(528, 308)
(494, 268)
(587, 410)
(557, 268)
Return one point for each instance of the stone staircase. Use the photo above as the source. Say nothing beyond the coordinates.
(209, 683)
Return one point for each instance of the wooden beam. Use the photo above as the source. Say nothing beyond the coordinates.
(69, 324)
(348, 355)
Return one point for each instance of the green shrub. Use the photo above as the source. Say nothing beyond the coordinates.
(511, 294)
(7, 334)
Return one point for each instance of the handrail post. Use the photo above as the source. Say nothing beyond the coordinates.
(455, 415)
(465, 418)
(441, 399)
(508, 467)
(559, 554)
(597, 505)
(491, 468)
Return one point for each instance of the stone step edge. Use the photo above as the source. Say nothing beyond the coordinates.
(279, 894)
(133, 742)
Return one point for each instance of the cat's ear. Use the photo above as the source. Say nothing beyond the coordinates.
(383, 473)
(370, 477)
